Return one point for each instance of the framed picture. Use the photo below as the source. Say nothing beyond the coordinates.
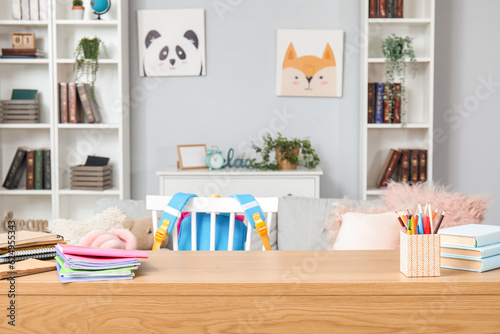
(171, 42)
(309, 63)
(192, 156)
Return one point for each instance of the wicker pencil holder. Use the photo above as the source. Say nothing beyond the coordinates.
(420, 255)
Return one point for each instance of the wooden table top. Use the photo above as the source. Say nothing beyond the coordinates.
(263, 273)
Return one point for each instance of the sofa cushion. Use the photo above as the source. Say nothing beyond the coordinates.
(368, 231)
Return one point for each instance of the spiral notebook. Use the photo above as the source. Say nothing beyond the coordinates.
(47, 252)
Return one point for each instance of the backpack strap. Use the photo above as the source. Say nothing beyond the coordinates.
(255, 217)
(169, 216)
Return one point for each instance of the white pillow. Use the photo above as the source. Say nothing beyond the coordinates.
(362, 231)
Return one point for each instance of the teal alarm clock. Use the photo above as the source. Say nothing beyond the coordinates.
(215, 160)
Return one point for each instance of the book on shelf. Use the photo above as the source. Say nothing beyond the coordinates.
(403, 165)
(471, 235)
(422, 166)
(73, 104)
(47, 178)
(30, 9)
(63, 102)
(24, 94)
(382, 109)
(30, 169)
(388, 169)
(16, 169)
(23, 52)
(90, 108)
(38, 169)
(385, 9)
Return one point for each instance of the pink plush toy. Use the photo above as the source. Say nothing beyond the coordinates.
(117, 239)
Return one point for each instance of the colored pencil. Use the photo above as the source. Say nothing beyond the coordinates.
(439, 223)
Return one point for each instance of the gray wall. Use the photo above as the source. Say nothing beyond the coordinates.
(237, 100)
(467, 111)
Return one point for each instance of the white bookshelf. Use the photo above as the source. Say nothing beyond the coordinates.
(70, 144)
(417, 131)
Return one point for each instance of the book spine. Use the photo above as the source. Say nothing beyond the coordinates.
(399, 9)
(381, 9)
(44, 9)
(487, 239)
(16, 169)
(371, 103)
(16, 9)
(397, 103)
(379, 107)
(47, 179)
(25, 9)
(30, 170)
(405, 166)
(422, 169)
(373, 9)
(390, 168)
(93, 104)
(390, 11)
(34, 10)
(490, 263)
(38, 169)
(63, 102)
(387, 106)
(72, 103)
(414, 166)
(84, 98)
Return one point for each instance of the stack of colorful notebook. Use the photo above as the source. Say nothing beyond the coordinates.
(470, 247)
(82, 264)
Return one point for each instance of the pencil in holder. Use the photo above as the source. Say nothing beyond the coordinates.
(420, 255)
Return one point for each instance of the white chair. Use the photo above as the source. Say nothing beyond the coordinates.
(269, 205)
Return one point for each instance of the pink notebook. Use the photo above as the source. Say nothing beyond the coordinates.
(91, 251)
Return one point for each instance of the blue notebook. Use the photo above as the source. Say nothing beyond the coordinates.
(471, 252)
(472, 235)
(464, 263)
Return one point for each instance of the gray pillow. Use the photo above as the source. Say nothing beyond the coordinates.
(133, 209)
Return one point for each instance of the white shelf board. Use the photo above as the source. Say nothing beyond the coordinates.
(87, 126)
(88, 22)
(108, 192)
(400, 21)
(42, 61)
(374, 192)
(382, 60)
(25, 126)
(101, 61)
(398, 126)
(24, 23)
(25, 192)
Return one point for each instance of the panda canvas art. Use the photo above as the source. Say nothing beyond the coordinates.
(171, 42)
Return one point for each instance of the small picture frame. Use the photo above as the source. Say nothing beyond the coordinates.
(192, 156)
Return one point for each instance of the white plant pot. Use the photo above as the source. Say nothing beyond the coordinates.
(78, 14)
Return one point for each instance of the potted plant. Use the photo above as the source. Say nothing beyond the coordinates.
(87, 60)
(78, 9)
(397, 51)
(287, 153)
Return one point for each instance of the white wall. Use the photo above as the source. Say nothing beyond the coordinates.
(467, 111)
(237, 100)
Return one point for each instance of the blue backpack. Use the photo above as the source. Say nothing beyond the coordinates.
(173, 211)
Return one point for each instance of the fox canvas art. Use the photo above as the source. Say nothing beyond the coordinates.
(313, 73)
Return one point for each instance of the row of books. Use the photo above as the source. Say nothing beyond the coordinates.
(404, 165)
(75, 100)
(389, 9)
(37, 166)
(83, 264)
(473, 247)
(30, 9)
(22, 53)
(380, 109)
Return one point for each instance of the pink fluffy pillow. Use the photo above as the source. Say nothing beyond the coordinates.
(460, 208)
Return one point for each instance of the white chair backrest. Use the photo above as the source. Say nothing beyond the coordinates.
(212, 206)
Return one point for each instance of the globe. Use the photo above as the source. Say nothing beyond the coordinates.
(100, 7)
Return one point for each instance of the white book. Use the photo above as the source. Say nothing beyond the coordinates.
(16, 9)
(44, 9)
(34, 12)
(25, 9)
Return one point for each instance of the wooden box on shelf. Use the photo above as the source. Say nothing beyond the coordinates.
(19, 111)
(91, 178)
